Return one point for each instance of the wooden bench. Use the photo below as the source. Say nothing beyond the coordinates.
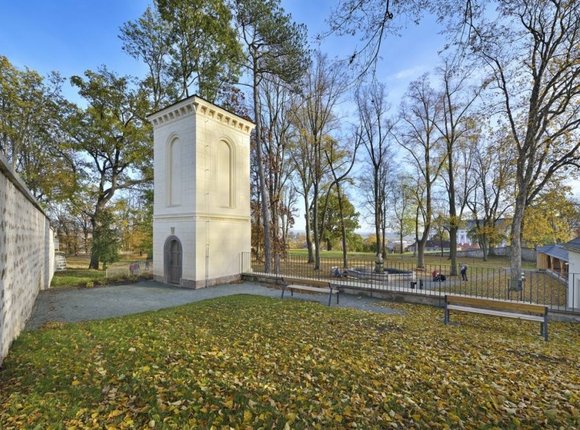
(524, 311)
(310, 285)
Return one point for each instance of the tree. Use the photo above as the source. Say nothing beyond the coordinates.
(457, 129)
(441, 226)
(204, 51)
(373, 20)
(133, 215)
(105, 246)
(550, 218)
(149, 39)
(339, 214)
(531, 49)
(302, 156)
(322, 87)
(274, 46)
(114, 141)
(402, 208)
(493, 178)
(340, 162)
(420, 138)
(33, 109)
(375, 134)
(278, 133)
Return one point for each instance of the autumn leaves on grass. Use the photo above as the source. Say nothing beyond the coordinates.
(254, 362)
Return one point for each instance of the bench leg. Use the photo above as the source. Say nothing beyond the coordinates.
(337, 295)
(544, 326)
(283, 290)
(446, 315)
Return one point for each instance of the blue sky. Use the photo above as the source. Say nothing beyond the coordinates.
(71, 36)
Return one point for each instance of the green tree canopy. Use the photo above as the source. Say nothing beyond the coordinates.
(204, 50)
(330, 218)
(112, 138)
(32, 109)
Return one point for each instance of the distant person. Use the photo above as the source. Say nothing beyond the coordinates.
(337, 273)
(464, 272)
(438, 277)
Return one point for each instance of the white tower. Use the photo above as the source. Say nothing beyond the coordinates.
(201, 213)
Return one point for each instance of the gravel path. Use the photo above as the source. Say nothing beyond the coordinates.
(72, 305)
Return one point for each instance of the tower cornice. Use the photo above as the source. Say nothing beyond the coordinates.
(196, 105)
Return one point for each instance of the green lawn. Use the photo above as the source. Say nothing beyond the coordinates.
(431, 259)
(253, 362)
(77, 274)
(77, 278)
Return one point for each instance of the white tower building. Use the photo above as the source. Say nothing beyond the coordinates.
(201, 214)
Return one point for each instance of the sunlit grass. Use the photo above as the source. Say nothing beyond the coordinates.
(252, 362)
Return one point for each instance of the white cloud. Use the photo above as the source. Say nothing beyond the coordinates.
(410, 73)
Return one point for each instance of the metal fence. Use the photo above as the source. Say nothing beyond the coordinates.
(541, 287)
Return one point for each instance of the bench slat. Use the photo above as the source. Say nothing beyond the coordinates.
(496, 313)
(496, 304)
(311, 282)
(315, 286)
(315, 289)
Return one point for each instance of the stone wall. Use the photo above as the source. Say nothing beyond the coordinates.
(26, 255)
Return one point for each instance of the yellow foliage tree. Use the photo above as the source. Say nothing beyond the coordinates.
(551, 219)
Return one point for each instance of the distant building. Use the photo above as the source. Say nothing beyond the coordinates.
(573, 248)
(553, 258)
(394, 244)
(465, 234)
(432, 246)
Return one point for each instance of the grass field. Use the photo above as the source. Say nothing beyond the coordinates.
(408, 259)
(77, 274)
(246, 362)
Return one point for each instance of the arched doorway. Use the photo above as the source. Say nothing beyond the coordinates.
(172, 258)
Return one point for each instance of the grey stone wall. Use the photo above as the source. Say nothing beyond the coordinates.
(26, 255)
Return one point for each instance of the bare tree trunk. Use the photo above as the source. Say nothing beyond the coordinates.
(421, 255)
(516, 240)
(453, 249)
(485, 247)
(261, 175)
(315, 227)
(425, 235)
(384, 230)
(401, 240)
(308, 232)
(452, 214)
(342, 228)
(94, 261)
(416, 247)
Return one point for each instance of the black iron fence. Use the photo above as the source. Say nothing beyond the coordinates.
(532, 286)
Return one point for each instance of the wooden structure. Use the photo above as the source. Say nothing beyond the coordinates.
(553, 258)
(524, 311)
(322, 287)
